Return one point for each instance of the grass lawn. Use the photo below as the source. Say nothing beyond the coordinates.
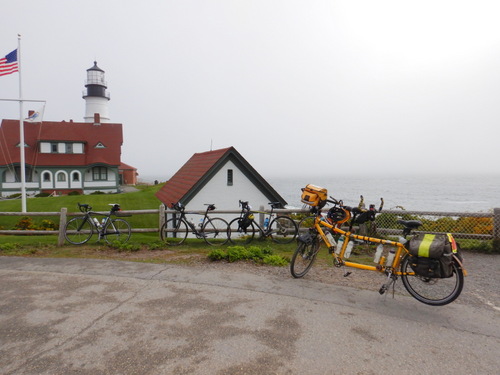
(144, 247)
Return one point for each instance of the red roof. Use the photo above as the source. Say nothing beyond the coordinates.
(107, 134)
(198, 170)
(124, 166)
(189, 175)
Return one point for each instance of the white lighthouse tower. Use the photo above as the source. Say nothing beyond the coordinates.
(96, 96)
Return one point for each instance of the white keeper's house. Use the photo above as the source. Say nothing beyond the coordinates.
(66, 156)
(221, 177)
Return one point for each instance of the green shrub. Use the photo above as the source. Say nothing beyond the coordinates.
(124, 246)
(254, 253)
(159, 245)
(48, 225)
(217, 254)
(74, 193)
(9, 246)
(25, 223)
(42, 195)
(275, 260)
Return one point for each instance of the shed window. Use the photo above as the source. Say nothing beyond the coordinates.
(229, 177)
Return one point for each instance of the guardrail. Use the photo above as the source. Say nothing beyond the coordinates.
(383, 228)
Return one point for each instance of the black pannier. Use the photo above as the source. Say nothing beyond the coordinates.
(246, 221)
(431, 255)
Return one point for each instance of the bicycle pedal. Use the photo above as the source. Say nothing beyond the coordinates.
(347, 273)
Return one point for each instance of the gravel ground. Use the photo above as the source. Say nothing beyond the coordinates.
(482, 285)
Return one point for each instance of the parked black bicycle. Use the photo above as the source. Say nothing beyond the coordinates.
(242, 230)
(80, 229)
(176, 229)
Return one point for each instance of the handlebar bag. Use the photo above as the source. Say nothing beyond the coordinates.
(314, 195)
(431, 255)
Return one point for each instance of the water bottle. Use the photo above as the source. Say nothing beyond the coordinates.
(390, 256)
(339, 245)
(97, 224)
(378, 253)
(402, 240)
(331, 240)
(104, 220)
(266, 222)
(350, 245)
(200, 224)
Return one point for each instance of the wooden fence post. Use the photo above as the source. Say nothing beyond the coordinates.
(62, 226)
(496, 224)
(161, 220)
(261, 217)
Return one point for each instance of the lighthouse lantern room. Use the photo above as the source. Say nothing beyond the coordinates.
(96, 96)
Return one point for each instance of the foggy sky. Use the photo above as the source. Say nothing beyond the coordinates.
(297, 87)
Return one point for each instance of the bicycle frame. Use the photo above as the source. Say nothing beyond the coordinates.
(191, 225)
(265, 231)
(349, 236)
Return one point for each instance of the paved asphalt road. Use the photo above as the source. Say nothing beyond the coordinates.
(76, 316)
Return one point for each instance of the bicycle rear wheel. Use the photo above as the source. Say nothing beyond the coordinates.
(432, 291)
(116, 230)
(174, 231)
(216, 231)
(303, 258)
(239, 235)
(283, 229)
(78, 230)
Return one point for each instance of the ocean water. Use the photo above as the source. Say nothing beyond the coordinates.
(415, 193)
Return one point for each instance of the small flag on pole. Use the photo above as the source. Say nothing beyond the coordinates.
(36, 116)
(8, 64)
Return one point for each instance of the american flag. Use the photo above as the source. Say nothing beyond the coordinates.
(8, 64)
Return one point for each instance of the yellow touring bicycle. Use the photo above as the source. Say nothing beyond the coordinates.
(430, 266)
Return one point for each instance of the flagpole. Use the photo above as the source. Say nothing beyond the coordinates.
(21, 129)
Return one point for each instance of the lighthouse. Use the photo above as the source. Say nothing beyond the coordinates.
(96, 96)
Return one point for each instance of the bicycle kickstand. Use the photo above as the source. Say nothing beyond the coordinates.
(391, 280)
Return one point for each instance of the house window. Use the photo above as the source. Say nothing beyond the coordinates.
(53, 148)
(69, 148)
(46, 177)
(61, 177)
(100, 173)
(229, 177)
(28, 174)
(76, 176)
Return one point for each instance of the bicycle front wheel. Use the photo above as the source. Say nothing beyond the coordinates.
(305, 224)
(78, 230)
(432, 291)
(174, 231)
(116, 230)
(283, 229)
(303, 258)
(239, 235)
(216, 231)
